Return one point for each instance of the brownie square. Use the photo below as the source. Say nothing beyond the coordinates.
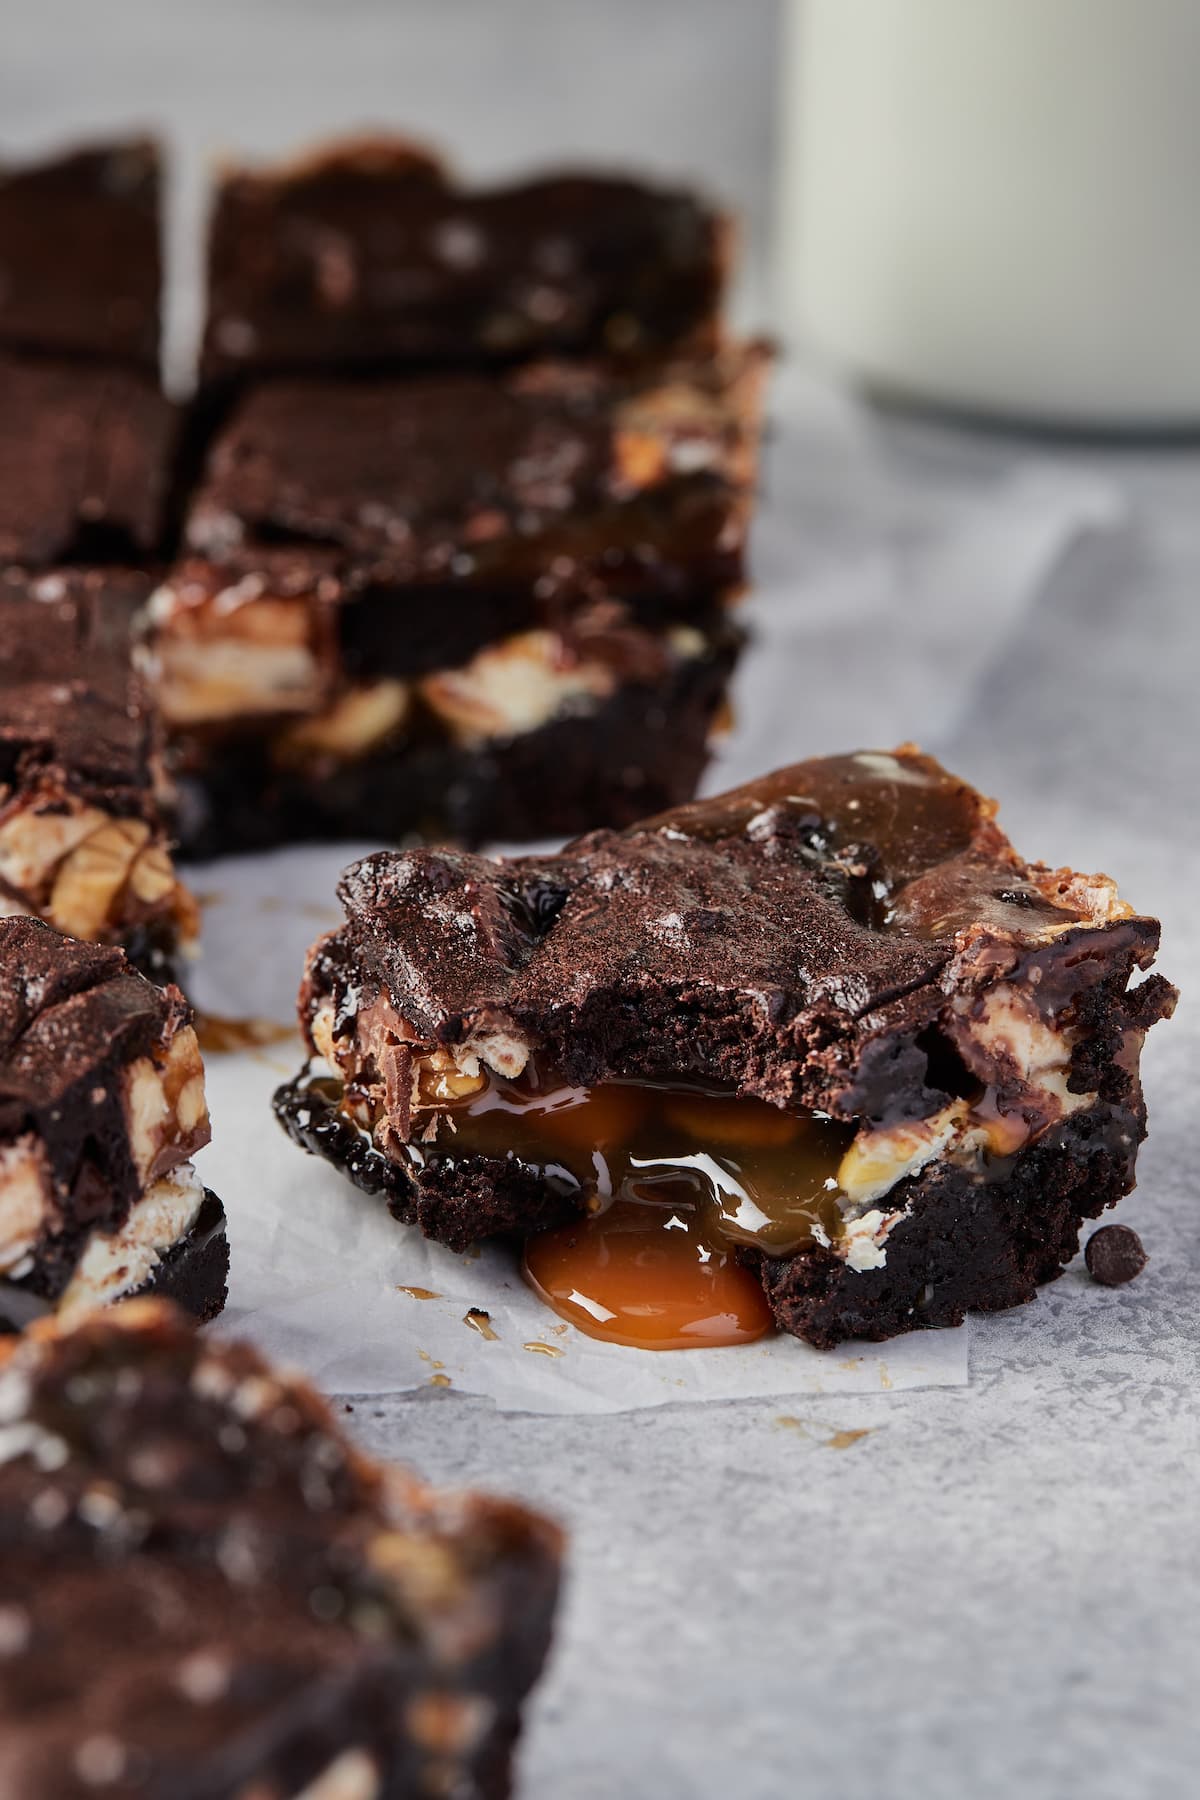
(829, 1030)
(483, 605)
(208, 1591)
(101, 1109)
(83, 837)
(80, 256)
(368, 255)
(556, 474)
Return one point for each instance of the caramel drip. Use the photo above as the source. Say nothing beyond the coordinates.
(669, 1180)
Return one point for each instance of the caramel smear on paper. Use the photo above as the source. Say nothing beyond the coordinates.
(842, 1440)
(220, 1036)
(481, 1322)
(415, 1293)
(837, 1440)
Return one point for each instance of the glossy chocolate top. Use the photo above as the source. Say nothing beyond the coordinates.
(478, 479)
(792, 939)
(217, 1594)
(74, 714)
(84, 463)
(80, 262)
(369, 254)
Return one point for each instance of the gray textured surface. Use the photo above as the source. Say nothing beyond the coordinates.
(994, 1592)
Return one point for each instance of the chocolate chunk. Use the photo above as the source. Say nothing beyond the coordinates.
(1114, 1255)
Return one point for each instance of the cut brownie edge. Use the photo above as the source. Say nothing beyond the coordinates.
(642, 747)
(102, 1106)
(83, 835)
(191, 1270)
(964, 1244)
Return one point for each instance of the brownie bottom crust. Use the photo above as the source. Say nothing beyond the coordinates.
(641, 750)
(969, 1241)
(968, 1244)
(193, 1272)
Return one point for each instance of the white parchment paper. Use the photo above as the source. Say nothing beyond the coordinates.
(321, 1274)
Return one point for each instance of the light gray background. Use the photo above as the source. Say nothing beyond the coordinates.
(996, 1591)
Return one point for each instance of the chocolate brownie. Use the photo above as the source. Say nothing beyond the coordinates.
(85, 463)
(80, 258)
(101, 1108)
(368, 255)
(536, 737)
(829, 1029)
(83, 841)
(557, 474)
(206, 1590)
(489, 605)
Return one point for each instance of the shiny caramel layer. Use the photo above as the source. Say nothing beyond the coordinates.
(675, 1182)
(739, 1170)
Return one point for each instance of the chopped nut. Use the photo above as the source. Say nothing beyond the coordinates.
(152, 877)
(513, 687)
(36, 839)
(199, 683)
(439, 1079)
(88, 881)
(356, 723)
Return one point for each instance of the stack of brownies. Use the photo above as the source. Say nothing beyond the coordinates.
(470, 480)
(444, 543)
(101, 1085)
(86, 452)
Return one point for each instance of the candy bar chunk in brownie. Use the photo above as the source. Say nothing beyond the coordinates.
(368, 255)
(279, 731)
(101, 1109)
(80, 257)
(477, 605)
(824, 1053)
(82, 837)
(206, 1590)
(549, 478)
(85, 463)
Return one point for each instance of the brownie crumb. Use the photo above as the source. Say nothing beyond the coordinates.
(1114, 1255)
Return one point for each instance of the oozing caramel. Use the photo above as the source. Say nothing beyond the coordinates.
(670, 1180)
(648, 1273)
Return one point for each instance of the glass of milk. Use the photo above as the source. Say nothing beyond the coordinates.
(995, 204)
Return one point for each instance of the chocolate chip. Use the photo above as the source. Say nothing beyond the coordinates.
(1114, 1255)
